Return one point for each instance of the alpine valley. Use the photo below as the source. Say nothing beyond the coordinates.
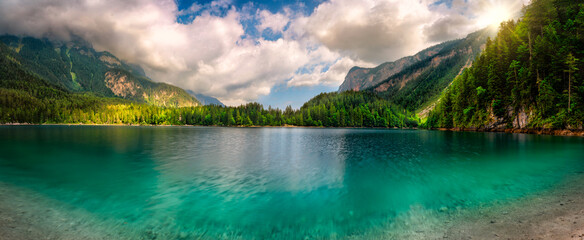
(524, 74)
(449, 143)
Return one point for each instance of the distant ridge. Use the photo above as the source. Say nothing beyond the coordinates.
(206, 100)
(360, 78)
(77, 67)
(415, 80)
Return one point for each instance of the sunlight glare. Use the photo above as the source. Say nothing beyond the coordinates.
(494, 15)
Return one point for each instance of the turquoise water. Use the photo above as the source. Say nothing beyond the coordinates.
(289, 183)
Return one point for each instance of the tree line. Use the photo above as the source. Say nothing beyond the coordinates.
(26, 98)
(23, 107)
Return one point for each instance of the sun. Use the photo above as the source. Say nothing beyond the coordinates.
(494, 13)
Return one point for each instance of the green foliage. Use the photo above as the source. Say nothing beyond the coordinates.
(26, 98)
(425, 80)
(532, 66)
(77, 67)
(353, 109)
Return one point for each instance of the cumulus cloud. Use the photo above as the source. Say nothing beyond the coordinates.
(251, 68)
(446, 28)
(207, 55)
(210, 52)
(324, 74)
(274, 21)
(372, 30)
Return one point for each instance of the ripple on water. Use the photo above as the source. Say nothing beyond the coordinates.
(190, 182)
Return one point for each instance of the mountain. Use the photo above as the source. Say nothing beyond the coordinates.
(529, 77)
(413, 81)
(75, 66)
(25, 97)
(360, 78)
(206, 100)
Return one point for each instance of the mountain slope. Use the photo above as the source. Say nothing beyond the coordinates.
(423, 81)
(77, 67)
(529, 76)
(26, 98)
(413, 81)
(206, 100)
(362, 78)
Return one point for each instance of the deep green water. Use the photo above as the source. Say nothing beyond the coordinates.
(292, 183)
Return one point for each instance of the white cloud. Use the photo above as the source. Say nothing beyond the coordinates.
(213, 55)
(371, 30)
(334, 75)
(193, 9)
(251, 69)
(276, 22)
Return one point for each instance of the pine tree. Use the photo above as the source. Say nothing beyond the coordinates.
(571, 63)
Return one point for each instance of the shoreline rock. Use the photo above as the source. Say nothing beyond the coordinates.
(536, 131)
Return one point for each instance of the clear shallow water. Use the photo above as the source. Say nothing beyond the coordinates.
(257, 183)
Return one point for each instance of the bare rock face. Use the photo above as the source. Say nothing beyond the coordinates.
(120, 85)
(522, 118)
(362, 78)
(125, 85)
(354, 79)
(110, 61)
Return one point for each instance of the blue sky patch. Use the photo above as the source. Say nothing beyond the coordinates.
(282, 95)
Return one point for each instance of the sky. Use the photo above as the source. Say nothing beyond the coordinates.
(274, 52)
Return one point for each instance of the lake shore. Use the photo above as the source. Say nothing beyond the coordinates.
(169, 125)
(536, 131)
(555, 214)
(25, 214)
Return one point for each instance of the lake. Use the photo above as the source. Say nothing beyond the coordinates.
(274, 183)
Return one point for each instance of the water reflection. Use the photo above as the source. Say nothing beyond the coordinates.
(247, 177)
(276, 182)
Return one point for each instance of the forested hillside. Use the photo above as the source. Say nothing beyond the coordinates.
(416, 81)
(529, 76)
(360, 78)
(422, 82)
(353, 109)
(27, 98)
(75, 66)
